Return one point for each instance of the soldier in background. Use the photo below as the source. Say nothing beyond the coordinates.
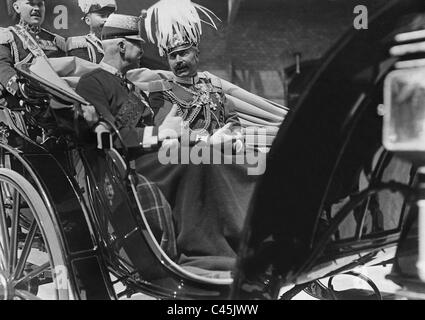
(89, 47)
(24, 41)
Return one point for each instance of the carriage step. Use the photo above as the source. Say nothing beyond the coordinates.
(362, 294)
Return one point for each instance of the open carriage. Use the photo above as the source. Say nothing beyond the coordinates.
(332, 197)
(73, 221)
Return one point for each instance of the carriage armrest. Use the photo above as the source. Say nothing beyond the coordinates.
(104, 136)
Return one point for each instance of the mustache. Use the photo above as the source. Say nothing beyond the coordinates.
(36, 12)
(181, 65)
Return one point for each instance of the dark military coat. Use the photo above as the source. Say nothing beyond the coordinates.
(117, 100)
(20, 45)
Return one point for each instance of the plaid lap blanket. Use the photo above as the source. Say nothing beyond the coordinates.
(158, 214)
(154, 205)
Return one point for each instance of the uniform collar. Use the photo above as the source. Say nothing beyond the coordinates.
(186, 80)
(110, 69)
(116, 72)
(30, 28)
(94, 38)
(95, 41)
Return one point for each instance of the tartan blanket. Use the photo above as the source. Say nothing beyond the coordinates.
(158, 214)
(209, 205)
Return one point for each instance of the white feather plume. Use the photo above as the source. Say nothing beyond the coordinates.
(86, 4)
(168, 18)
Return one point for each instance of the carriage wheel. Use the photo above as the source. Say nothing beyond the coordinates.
(32, 265)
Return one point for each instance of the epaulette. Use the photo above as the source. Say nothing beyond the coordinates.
(159, 86)
(215, 81)
(60, 43)
(76, 43)
(6, 36)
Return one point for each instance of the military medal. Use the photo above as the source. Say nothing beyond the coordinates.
(204, 96)
(202, 101)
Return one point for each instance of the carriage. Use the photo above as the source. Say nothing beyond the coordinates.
(333, 197)
(68, 235)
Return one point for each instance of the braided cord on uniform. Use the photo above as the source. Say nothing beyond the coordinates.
(190, 110)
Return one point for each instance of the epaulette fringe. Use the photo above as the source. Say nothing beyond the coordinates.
(76, 43)
(6, 36)
(159, 86)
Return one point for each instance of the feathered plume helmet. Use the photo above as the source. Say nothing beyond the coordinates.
(89, 6)
(176, 24)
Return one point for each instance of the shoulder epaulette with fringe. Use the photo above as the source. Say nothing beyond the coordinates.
(6, 36)
(159, 86)
(76, 43)
(215, 81)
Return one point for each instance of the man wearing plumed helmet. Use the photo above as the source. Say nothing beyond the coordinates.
(175, 26)
(95, 13)
(209, 200)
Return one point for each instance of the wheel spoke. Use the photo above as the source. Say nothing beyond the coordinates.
(33, 274)
(4, 233)
(26, 250)
(25, 295)
(14, 231)
(2, 258)
(27, 236)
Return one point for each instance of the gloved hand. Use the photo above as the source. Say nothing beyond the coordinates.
(32, 94)
(173, 126)
(222, 136)
(228, 138)
(90, 114)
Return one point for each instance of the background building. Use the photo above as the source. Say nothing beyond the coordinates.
(257, 40)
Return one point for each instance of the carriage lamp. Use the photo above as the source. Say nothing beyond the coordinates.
(404, 134)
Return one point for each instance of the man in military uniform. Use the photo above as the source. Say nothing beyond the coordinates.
(116, 99)
(24, 41)
(209, 200)
(89, 47)
(199, 96)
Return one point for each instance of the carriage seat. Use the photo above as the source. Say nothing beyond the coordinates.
(259, 117)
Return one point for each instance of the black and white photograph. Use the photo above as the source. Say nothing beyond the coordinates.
(212, 154)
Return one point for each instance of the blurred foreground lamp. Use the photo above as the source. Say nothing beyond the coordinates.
(404, 134)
